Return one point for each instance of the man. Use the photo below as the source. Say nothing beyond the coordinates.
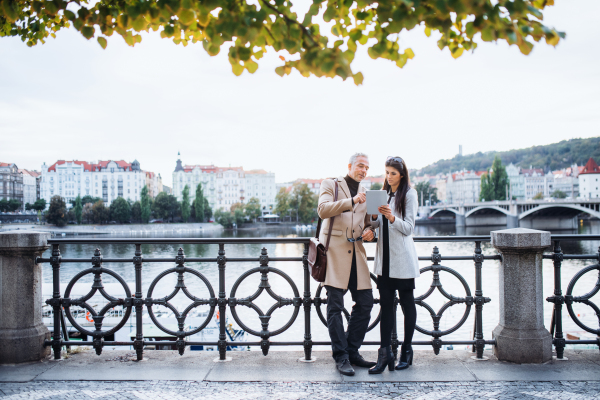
(347, 262)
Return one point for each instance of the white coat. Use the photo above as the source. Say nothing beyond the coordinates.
(404, 263)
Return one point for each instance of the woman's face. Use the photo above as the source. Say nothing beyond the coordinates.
(393, 176)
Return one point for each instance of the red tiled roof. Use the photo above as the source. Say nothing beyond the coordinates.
(307, 181)
(590, 167)
(86, 165)
(90, 166)
(211, 168)
(256, 171)
(3, 164)
(34, 174)
(531, 171)
(377, 179)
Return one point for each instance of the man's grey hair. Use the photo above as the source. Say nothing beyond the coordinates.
(355, 156)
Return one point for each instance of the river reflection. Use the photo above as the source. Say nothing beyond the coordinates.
(295, 271)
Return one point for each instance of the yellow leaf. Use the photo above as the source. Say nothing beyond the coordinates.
(251, 66)
(409, 53)
(457, 52)
(102, 42)
(237, 69)
(525, 47)
(427, 31)
(358, 78)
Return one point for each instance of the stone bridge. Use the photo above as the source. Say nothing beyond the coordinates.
(536, 214)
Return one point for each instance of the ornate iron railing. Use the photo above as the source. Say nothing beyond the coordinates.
(556, 324)
(62, 304)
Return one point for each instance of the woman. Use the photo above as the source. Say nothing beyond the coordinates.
(396, 262)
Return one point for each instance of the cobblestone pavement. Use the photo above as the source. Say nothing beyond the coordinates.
(184, 390)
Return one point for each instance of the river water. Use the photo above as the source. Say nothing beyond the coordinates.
(294, 269)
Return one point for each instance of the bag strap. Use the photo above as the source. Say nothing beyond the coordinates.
(332, 218)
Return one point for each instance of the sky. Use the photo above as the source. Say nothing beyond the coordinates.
(69, 99)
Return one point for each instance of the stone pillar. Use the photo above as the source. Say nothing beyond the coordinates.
(512, 221)
(520, 335)
(22, 332)
(460, 220)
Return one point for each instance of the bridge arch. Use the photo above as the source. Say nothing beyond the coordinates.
(439, 210)
(487, 207)
(558, 205)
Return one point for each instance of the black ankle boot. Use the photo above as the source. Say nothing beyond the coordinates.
(406, 358)
(385, 357)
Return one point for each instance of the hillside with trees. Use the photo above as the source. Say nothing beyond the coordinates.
(552, 156)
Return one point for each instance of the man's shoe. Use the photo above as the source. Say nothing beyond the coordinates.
(359, 361)
(344, 367)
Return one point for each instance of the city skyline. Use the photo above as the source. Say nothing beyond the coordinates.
(77, 101)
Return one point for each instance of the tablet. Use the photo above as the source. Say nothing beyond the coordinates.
(375, 199)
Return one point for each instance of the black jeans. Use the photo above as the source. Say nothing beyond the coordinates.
(409, 309)
(346, 344)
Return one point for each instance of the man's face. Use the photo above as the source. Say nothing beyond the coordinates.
(359, 170)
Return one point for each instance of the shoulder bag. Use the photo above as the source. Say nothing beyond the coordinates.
(317, 253)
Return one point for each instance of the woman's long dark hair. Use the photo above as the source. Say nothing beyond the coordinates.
(398, 164)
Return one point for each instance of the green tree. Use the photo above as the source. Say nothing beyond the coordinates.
(28, 206)
(424, 189)
(248, 29)
(89, 199)
(377, 186)
(224, 218)
(3, 205)
(57, 211)
(238, 216)
(495, 182)
(145, 205)
(237, 205)
(161, 205)
(253, 209)
(304, 202)
(14, 205)
(78, 209)
(166, 206)
(120, 210)
(185, 204)
(559, 194)
(87, 212)
(207, 210)
(136, 211)
(282, 202)
(199, 203)
(101, 212)
(539, 196)
(39, 205)
(487, 190)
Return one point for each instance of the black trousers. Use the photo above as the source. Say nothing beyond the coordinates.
(346, 344)
(409, 309)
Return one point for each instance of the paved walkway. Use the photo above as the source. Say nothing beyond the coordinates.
(193, 390)
(280, 375)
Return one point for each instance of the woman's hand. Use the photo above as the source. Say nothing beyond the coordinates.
(368, 235)
(386, 211)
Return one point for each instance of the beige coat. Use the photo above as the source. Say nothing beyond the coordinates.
(349, 222)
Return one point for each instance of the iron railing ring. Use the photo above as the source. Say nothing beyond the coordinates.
(180, 286)
(468, 300)
(585, 299)
(248, 301)
(97, 287)
(319, 301)
(264, 285)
